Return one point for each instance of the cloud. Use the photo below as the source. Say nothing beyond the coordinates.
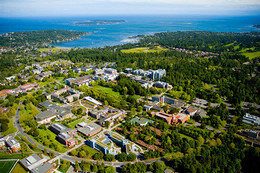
(88, 7)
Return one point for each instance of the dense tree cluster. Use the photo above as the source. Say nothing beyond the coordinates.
(205, 41)
(37, 38)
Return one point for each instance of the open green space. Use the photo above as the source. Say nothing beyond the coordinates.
(48, 139)
(11, 128)
(28, 111)
(108, 90)
(252, 55)
(19, 169)
(6, 166)
(144, 50)
(7, 155)
(53, 50)
(74, 123)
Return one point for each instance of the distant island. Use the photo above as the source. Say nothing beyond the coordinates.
(256, 26)
(100, 22)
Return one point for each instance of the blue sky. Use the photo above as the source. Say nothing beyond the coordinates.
(18, 8)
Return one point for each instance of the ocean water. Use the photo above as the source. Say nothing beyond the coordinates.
(117, 34)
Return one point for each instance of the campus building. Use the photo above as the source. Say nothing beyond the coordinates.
(126, 145)
(179, 118)
(45, 117)
(174, 103)
(251, 119)
(88, 129)
(103, 144)
(12, 144)
(58, 128)
(65, 134)
(67, 139)
(141, 121)
(36, 164)
(53, 109)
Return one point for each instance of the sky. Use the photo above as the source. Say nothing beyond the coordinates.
(34, 8)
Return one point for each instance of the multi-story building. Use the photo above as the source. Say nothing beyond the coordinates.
(67, 139)
(61, 112)
(126, 145)
(251, 119)
(36, 164)
(163, 85)
(110, 71)
(174, 103)
(98, 71)
(58, 128)
(103, 144)
(12, 144)
(85, 80)
(88, 129)
(179, 118)
(45, 117)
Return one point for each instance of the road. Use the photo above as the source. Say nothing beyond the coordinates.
(65, 155)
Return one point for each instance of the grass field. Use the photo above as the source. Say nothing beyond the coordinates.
(74, 123)
(7, 155)
(144, 50)
(28, 113)
(50, 138)
(19, 169)
(11, 128)
(53, 50)
(252, 55)
(90, 150)
(6, 166)
(108, 90)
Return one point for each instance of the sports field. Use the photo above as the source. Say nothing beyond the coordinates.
(6, 166)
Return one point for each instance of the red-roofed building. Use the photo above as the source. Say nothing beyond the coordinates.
(179, 118)
(28, 86)
(4, 93)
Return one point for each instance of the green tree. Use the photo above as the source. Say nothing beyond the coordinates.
(109, 157)
(131, 157)
(110, 169)
(122, 157)
(77, 167)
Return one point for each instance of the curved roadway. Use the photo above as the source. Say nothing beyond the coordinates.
(64, 156)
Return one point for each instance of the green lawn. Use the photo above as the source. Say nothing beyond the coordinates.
(49, 140)
(19, 169)
(90, 150)
(252, 55)
(6, 166)
(54, 50)
(28, 113)
(111, 92)
(144, 50)
(107, 90)
(11, 128)
(74, 123)
(7, 155)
